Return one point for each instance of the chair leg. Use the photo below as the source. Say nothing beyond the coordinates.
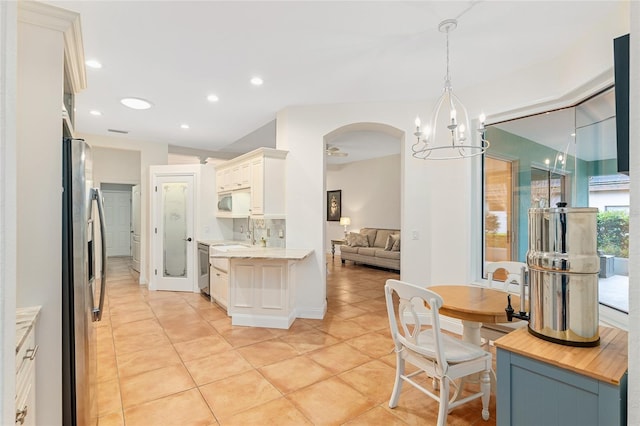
(485, 387)
(443, 410)
(397, 386)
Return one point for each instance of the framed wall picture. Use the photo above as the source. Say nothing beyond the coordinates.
(334, 205)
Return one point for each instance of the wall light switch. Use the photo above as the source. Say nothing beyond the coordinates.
(415, 235)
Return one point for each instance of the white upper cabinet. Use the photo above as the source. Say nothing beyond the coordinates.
(261, 171)
(233, 177)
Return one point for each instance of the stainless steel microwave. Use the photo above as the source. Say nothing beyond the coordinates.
(225, 203)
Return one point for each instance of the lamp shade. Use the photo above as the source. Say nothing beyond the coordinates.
(345, 220)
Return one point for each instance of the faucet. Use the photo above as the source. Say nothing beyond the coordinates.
(250, 231)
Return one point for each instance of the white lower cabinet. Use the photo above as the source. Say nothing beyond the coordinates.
(26, 380)
(219, 287)
(262, 293)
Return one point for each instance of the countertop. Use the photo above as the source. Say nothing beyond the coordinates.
(606, 362)
(221, 242)
(255, 252)
(25, 320)
(264, 253)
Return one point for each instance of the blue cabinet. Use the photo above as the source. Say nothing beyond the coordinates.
(534, 392)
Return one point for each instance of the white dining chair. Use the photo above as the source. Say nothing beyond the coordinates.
(441, 357)
(516, 273)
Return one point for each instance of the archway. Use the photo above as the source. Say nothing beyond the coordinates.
(367, 172)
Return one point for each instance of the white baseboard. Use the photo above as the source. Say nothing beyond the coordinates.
(267, 321)
(312, 313)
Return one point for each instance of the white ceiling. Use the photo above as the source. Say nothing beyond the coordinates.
(175, 53)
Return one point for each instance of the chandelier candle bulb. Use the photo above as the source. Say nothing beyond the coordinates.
(482, 118)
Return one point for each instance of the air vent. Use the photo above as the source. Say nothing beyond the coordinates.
(124, 132)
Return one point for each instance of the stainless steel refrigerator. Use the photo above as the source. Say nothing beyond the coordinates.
(82, 291)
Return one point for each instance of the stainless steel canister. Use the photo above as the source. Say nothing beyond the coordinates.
(563, 275)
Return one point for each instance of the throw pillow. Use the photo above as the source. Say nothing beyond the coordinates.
(389, 244)
(371, 235)
(396, 242)
(357, 240)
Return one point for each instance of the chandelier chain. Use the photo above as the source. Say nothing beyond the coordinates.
(448, 77)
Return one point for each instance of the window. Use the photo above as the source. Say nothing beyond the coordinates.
(565, 155)
(498, 209)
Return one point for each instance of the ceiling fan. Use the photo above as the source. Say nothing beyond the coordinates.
(334, 151)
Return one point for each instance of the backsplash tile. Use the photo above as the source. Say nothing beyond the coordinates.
(272, 230)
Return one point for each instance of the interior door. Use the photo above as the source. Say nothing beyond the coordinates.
(135, 227)
(174, 244)
(117, 205)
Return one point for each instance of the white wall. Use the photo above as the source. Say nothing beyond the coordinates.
(115, 166)
(151, 153)
(39, 201)
(8, 61)
(370, 194)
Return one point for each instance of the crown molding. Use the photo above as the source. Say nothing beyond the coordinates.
(567, 100)
(68, 23)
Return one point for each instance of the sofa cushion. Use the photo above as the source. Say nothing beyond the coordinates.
(370, 233)
(381, 237)
(348, 249)
(386, 254)
(367, 251)
(357, 240)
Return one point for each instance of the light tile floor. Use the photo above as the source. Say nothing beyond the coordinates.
(170, 358)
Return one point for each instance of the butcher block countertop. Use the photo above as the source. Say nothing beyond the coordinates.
(606, 362)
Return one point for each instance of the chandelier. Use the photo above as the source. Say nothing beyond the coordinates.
(447, 136)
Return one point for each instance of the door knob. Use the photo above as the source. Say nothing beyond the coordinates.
(188, 239)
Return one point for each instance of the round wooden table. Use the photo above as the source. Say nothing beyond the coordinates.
(474, 305)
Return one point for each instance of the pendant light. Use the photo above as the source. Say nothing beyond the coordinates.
(448, 135)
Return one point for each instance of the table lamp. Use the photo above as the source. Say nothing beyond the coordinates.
(345, 221)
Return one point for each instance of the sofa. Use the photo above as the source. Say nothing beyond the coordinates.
(373, 246)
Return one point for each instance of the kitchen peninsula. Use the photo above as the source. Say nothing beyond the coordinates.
(261, 284)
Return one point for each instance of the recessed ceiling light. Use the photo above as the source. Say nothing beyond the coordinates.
(94, 112)
(256, 81)
(135, 103)
(212, 98)
(92, 63)
(184, 126)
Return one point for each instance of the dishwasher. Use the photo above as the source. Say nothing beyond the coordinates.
(203, 268)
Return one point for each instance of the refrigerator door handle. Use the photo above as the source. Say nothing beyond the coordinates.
(97, 196)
